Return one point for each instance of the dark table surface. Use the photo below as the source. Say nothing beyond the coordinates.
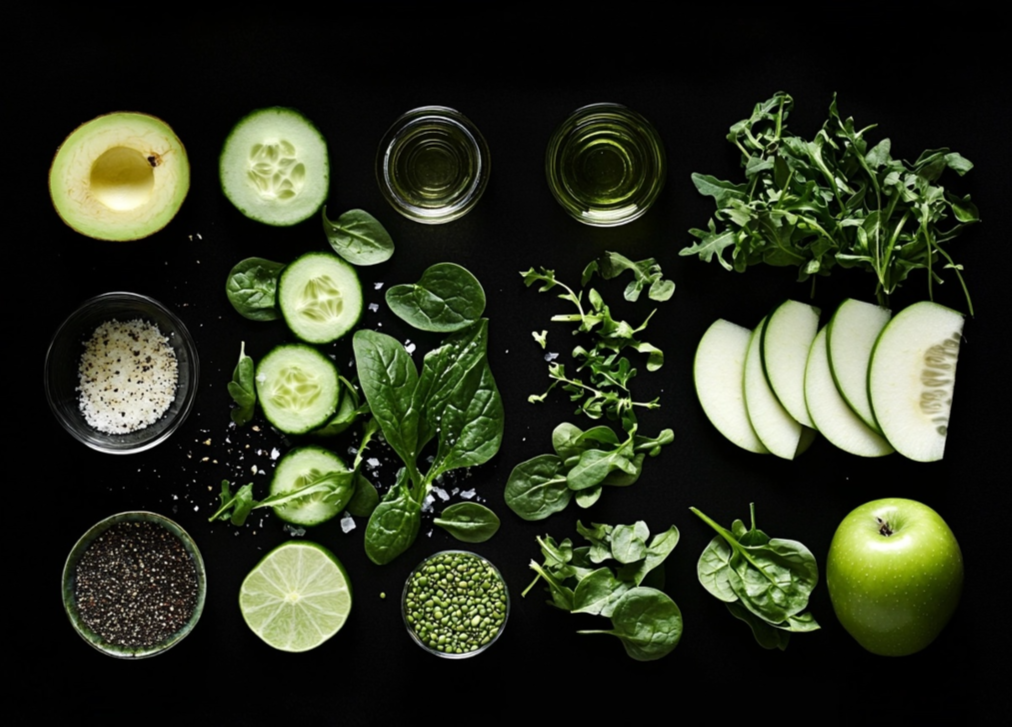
(516, 81)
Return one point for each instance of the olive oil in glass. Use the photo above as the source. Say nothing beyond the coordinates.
(605, 165)
(432, 165)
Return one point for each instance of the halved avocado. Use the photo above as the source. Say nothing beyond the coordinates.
(122, 176)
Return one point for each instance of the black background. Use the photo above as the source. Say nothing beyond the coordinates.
(516, 78)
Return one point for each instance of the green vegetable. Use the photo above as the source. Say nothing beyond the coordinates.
(455, 603)
(252, 287)
(644, 619)
(765, 582)
(447, 298)
(358, 237)
(468, 522)
(583, 463)
(645, 272)
(453, 400)
(242, 388)
(832, 201)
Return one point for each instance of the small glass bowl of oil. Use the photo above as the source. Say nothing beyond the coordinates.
(605, 165)
(432, 165)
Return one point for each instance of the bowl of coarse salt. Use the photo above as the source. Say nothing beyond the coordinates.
(121, 373)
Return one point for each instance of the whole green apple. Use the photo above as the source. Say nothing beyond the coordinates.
(894, 573)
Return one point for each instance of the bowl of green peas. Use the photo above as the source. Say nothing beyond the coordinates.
(455, 604)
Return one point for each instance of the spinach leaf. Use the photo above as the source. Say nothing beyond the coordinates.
(588, 497)
(468, 522)
(242, 388)
(648, 623)
(358, 237)
(393, 525)
(598, 593)
(388, 377)
(365, 499)
(765, 581)
(656, 552)
(629, 542)
(252, 287)
(447, 298)
(537, 488)
(472, 423)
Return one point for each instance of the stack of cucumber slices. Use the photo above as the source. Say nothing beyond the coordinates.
(869, 382)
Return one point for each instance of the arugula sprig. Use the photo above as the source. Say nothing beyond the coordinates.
(765, 582)
(832, 201)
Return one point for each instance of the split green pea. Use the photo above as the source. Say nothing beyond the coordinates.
(455, 603)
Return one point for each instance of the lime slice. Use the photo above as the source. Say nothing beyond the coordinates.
(297, 597)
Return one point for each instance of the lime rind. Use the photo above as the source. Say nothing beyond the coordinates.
(297, 597)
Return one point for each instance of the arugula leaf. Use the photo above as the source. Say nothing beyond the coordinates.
(446, 298)
(358, 237)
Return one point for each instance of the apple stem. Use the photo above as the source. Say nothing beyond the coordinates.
(884, 528)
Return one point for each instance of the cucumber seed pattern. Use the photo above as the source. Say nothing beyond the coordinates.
(321, 300)
(295, 389)
(275, 170)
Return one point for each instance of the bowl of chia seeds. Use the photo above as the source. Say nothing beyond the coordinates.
(121, 373)
(455, 604)
(134, 585)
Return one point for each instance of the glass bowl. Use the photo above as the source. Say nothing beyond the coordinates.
(433, 165)
(444, 628)
(145, 524)
(63, 361)
(605, 165)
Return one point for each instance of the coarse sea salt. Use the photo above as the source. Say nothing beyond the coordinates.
(127, 376)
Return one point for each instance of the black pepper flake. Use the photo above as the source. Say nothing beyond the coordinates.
(136, 585)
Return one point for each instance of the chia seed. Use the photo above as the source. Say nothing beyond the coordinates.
(136, 585)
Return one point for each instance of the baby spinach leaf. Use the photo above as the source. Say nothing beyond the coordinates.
(242, 388)
(648, 623)
(472, 423)
(537, 488)
(252, 287)
(586, 498)
(388, 377)
(468, 522)
(629, 542)
(656, 552)
(393, 525)
(365, 499)
(598, 593)
(766, 635)
(358, 237)
(715, 572)
(446, 298)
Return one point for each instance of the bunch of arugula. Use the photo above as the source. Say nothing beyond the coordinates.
(764, 581)
(832, 201)
(606, 579)
(585, 462)
(453, 399)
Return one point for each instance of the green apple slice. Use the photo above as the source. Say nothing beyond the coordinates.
(911, 378)
(719, 372)
(786, 339)
(836, 421)
(779, 432)
(850, 338)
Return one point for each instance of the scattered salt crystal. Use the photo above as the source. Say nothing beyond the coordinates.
(377, 286)
(409, 347)
(427, 503)
(443, 495)
(551, 356)
(374, 307)
(275, 453)
(467, 494)
(347, 523)
(295, 530)
(373, 463)
(253, 469)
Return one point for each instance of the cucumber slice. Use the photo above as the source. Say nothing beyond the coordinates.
(719, 371)
(850, 337)
(836, 421)
(297, 470)
(297, 387)
(274, 167)
(320, 297)
(786, 340)
(911, 378)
